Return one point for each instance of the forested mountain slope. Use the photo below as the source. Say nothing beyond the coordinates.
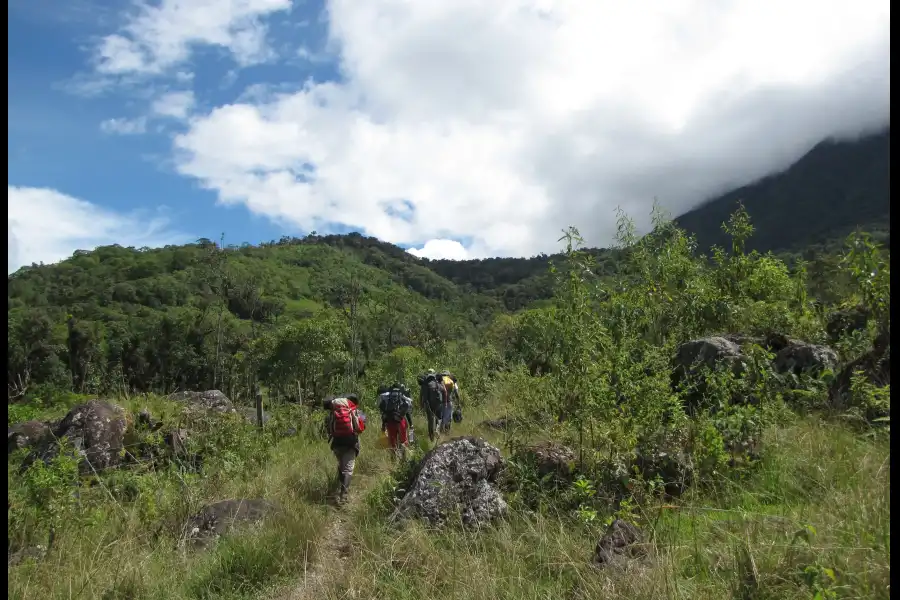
(180, 316)
(808, 210)
(151, 319)
(834, 188)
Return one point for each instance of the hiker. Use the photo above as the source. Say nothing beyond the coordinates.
(453, 407)
(433, 398)
(344, 424)
(395, 406)
(410, 432)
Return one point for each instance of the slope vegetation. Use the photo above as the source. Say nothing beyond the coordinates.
(735, 429)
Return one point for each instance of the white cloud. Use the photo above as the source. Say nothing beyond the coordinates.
(47, 226)
(441, 249)
(177, 105)
(159, 36)
(124, 126)
(505, 121)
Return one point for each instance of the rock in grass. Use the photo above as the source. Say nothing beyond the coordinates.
(95, 428)
(26, 435)
(210, 400)
(621, 541)
(456, 478)
(217, 519)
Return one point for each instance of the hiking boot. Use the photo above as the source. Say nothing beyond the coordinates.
(345, 488)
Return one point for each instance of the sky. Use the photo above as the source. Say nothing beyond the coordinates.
(453, 128)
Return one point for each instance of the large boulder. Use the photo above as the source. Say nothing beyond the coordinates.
(708, 352)
(26, 435)
(210, 400)
(716, 352)
(621, 541)
(803, 358)
(457, 477)
(217, 519)
(96, 429)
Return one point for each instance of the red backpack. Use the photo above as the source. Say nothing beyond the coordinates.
(344, 419)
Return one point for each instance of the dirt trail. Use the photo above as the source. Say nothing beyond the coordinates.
(333, 546)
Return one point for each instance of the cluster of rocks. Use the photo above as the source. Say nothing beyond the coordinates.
(104, 434)
(459, 482)
(95, 429)
(729, 352)
(791, 357)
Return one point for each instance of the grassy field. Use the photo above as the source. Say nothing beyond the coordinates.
(811, 521)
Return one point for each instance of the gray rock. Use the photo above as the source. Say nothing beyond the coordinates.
(711, 352)
(550, 459)
(209, 400)
(217, 519)
(706, 352)
(97, 431)
(26, 435)
(621, 541)
(800, 357)
(457, 477)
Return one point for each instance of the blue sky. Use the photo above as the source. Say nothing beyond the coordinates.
(55, 136)
(454, 128)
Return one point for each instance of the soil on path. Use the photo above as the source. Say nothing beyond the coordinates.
(334, 546)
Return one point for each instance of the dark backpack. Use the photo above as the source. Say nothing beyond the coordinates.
(394, 409)
(434, 394)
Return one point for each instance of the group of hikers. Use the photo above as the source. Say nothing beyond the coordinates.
(439, 399)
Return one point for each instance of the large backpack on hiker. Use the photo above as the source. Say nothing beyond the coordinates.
(345, 420)
(435, 394)
(394, 406)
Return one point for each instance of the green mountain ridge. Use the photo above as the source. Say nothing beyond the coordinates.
(835, 187)
(128, 305)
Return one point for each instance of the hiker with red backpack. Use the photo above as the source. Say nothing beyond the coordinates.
(344, 424)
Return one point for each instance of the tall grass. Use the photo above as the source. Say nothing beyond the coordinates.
(813, 519)
(111, 552)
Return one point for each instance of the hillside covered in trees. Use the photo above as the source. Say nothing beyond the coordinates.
(836, 187)
(202, 315)
(805, 212)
